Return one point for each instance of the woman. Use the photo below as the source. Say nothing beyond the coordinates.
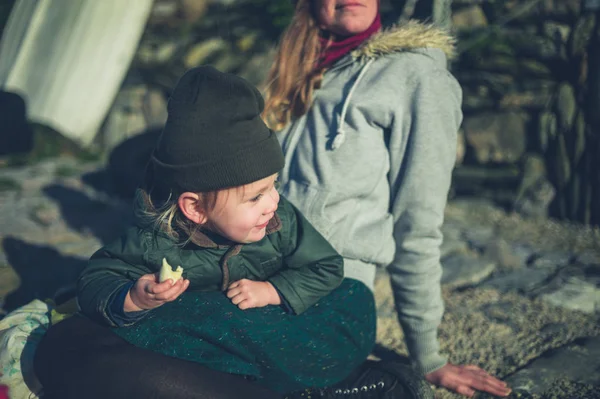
(368, 123)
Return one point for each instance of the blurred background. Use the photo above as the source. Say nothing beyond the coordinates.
(83, 91)
(93, 75)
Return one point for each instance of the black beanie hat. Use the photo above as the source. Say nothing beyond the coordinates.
(214, 137)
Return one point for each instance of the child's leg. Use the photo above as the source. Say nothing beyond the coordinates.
(323, 345)
(285, 352)
(81, 359)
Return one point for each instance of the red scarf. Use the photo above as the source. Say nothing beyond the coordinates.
(333, 51)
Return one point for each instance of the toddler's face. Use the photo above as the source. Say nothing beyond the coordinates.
(242, 215)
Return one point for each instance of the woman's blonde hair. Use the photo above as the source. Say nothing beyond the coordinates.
(292, 77)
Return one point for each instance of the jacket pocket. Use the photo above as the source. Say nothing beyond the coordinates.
(271, 266)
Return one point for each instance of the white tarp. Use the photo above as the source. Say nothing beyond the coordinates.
(67, 59)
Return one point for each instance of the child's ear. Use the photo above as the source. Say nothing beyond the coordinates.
(192, 207)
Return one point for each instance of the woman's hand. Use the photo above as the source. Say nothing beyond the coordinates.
(146, 293)
(248, 294)
(466, 380)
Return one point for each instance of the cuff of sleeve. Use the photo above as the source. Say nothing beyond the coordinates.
(424, 350)
(285, 305)
(288, 293)
(115, 309)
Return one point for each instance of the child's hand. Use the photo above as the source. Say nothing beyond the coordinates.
(146, 293)
(248, 294)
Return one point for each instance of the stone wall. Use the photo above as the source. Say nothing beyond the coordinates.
(531, 134)
(529, 70)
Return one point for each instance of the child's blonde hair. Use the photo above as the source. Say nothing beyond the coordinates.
(165, 215)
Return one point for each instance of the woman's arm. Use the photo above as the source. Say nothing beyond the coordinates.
(422, 155)
(420, 181)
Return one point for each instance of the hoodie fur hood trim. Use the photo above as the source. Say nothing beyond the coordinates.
(410, 36)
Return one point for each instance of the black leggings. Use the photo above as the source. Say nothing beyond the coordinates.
(78, 358)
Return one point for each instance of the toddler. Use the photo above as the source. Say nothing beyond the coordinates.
(262, 293)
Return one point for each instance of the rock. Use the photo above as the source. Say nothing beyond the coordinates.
(484, 81)
(573, 292)
(582, 33)
(460, 146)
(523, 251)
(465, 270)
(84, 248)
(152, 53)
(163, 10)
(475, 99)
(479, 237)
(535, 191)
(136, 109)
(45, 215)
(176, 12)
(193, 10)
(256, 68)
(588, 257)
(548, 128)
(498, 63)
(247, 41)
(539, 85)
(557, 31)
(523, 280)
(578, 361)
(531, 93)
(200, 52)
(592, 5)
(469, 18)
(527, 99)
(552, 260)
(592, 274)
(154, 108)
(228, 61)
(534, 93)
(503, 254)
(579, 133)
(535, 200)
(9, 184)
(534, 67)
(562, 163)
(451, 230)
(451, 246)
(534, 169)
(496, 137)
(537, 47)
(561, 7)
(566, 106)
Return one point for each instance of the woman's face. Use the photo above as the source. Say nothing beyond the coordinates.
(346, 17)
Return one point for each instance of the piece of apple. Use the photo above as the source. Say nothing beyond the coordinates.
(167, 272)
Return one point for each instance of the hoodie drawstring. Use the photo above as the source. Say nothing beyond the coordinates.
(340, 136)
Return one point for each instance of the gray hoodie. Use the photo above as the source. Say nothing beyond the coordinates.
(370, 166)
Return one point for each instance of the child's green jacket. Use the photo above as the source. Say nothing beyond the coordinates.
(293, 256)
